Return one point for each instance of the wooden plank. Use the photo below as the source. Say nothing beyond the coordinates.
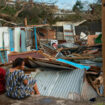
(20, 53)
(41, 25)
(4, 49)
(103, 39)
(77, 58)
(51, 61)
(25, 21)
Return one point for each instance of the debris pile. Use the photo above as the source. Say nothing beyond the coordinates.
(66, 69)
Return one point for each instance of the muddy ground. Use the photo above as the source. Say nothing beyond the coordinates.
(42, 100)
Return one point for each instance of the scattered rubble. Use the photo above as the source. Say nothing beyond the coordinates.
(82, 62)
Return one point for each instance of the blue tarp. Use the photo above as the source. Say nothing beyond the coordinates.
(74, 64)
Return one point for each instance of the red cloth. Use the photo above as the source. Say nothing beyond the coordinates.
(2, 80)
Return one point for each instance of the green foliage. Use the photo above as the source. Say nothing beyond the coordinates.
(42, 13)
(37, 15)
(99, 1)
(96, 11)
(8, 10)
(93, 11)
(2, 2)
(74, 18)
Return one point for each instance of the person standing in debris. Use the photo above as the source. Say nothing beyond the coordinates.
(19, 85)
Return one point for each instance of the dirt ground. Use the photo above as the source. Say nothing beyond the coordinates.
(42, 100)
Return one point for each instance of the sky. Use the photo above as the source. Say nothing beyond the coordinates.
(68, 4)
(65, 4)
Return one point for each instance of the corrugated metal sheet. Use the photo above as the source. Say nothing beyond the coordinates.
(60, 83)
(34, 54)
(60, 36)
(69, 44)
(88, 92)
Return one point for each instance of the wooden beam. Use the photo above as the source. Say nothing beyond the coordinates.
(41, 25)
(25, 21)
(103, 38)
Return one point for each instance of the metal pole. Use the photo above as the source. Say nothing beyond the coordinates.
(103, 39)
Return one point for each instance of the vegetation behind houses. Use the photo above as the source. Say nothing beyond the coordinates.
(43, 13)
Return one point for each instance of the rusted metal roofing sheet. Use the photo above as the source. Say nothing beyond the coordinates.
(34, 54)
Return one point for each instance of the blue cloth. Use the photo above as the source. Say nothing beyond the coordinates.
(15, 87)
(1, 57)
(101, 89)
(73, 64)
(35, 38)
(11, 40)
(23, 41)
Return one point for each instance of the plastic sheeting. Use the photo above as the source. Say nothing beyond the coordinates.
(17, 39)
(1, 38)
(4, 36)
(74, 64)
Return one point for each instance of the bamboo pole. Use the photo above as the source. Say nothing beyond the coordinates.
(103, 38)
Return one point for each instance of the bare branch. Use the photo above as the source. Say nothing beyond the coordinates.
(18, 12)
(5, 16)
(8, 22)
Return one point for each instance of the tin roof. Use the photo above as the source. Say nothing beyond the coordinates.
(60, 83)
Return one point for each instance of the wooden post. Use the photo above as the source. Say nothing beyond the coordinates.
(103, 38)
(25, 21)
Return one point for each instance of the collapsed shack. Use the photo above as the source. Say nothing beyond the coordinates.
(73, 72)
(62, 79)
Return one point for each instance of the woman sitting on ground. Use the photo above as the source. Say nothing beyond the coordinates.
(18, 85)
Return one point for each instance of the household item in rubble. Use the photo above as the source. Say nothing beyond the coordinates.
(98, 40)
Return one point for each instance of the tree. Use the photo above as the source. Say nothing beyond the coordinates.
(99, 1)
(88, 11)
(36, 13)
(78, 6)
(2, 2)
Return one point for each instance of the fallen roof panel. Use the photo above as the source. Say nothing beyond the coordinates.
(60, 83)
